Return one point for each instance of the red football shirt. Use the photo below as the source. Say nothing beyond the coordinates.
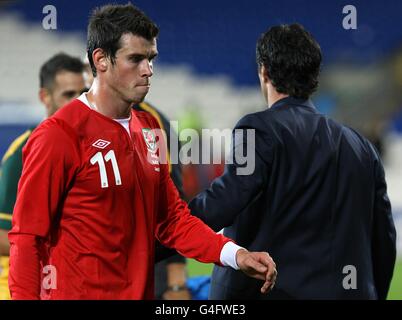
(88, 209)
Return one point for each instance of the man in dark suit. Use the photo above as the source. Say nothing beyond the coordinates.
(316, 199)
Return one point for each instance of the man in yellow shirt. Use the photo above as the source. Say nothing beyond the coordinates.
(61, 80)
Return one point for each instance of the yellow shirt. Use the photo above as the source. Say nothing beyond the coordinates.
(4, 266)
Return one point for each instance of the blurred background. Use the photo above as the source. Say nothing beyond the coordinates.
(205, 74)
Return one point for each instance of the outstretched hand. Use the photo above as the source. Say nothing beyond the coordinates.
(258, 265)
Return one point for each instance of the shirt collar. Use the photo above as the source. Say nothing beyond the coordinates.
(294, 101)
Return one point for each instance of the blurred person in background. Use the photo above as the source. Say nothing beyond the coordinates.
(61, 80)
(197, 175)
(317, 198)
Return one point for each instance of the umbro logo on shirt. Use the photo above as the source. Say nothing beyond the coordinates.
(101, 144)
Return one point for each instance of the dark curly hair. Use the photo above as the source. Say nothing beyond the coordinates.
(108, 23)
(292, 59)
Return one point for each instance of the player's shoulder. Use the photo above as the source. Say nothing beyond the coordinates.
(54, 130)
(16, 146)
(159, 116)
(357, 139)
(255, 120)
(146, 118)
(54, 138)
(147, 107)
(144, 107)
(74, 112)
(67, 121)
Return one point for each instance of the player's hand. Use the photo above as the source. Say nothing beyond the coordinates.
(258, 265)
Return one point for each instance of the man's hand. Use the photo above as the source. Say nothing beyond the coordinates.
(4, 244)
(258, 265)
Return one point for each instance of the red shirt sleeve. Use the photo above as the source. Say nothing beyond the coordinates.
(50, 159)
(178, 229)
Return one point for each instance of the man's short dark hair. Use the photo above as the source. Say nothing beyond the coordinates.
(57, 63)
(292, 59)
(108, 23)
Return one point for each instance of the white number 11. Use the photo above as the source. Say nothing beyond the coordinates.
(98, 158)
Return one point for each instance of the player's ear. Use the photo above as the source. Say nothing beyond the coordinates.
(45, 97)
(100, 60)
(263, 74)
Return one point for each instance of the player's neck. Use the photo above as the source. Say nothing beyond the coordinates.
(274, 96)
(105, 101)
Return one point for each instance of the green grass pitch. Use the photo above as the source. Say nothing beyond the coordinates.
(395, 293)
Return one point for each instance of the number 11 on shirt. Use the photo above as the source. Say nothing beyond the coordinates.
(110, 156)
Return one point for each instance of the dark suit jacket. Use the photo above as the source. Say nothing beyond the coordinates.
(316, 201)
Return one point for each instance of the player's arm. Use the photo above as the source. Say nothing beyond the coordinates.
(5, 226)
(4, 244)
(49, 163)
(384, 235)
(10, 173)
(242, 180)
(177, 228)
